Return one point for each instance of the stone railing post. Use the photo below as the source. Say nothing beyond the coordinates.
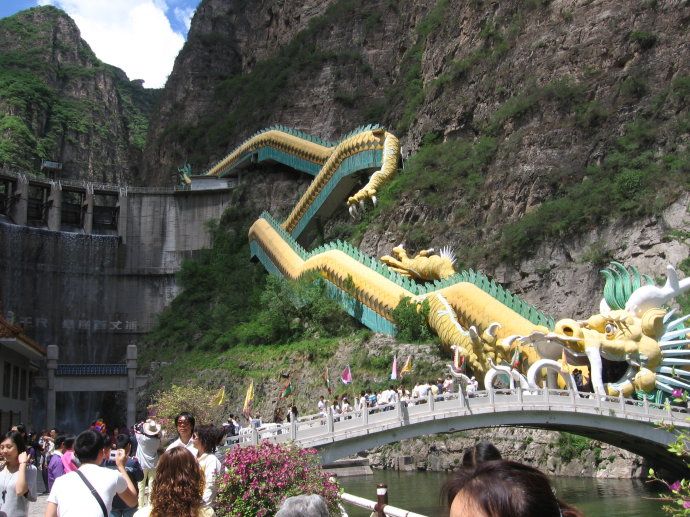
(492, 396)
(293, 429)
(52, 359)
(87, 209)
(430, 401)
(365, 415)
(381, 499)
(131, 384)
(255, 436)
(329, 421)
(645, 404)
(122, 213)
(54, 206)
(520, 395)
(19, 208)
(573, 394)
(621, 401)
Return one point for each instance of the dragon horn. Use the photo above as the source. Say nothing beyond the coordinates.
(650, 296)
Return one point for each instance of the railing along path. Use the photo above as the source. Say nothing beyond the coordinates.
(321, 429)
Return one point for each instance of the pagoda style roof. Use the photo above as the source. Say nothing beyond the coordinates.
(14, 337)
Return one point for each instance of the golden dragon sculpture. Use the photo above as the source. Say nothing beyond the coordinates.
(631, 346)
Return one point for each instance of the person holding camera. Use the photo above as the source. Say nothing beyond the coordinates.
(134, 471)
(148, 436)
(89, 491)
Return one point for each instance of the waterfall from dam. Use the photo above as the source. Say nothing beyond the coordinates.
(61, 287)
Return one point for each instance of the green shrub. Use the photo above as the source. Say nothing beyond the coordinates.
(629, 183)
(515, 108)
(571, 446)
(411, 319)
(597, 254)
(590, 115)
(198, 400)
(431, 138)
(566, 92)
(681, 87)
(633, 87)
(380, 362)
(645, 40)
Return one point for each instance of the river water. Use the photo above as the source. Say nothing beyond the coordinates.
(419, 492)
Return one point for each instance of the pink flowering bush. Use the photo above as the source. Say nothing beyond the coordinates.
(258, 479)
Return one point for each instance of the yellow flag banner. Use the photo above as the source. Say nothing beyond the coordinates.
(248, 399)
(407, 368)
(219, 397)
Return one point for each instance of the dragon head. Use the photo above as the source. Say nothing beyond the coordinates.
(621, 351)
(630, 348)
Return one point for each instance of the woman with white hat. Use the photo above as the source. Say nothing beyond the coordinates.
(148, 436)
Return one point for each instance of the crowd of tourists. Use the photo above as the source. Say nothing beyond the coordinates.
(119, 474)
(133, 474)
(342, 405)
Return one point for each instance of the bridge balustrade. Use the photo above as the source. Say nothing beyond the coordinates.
(321, 429)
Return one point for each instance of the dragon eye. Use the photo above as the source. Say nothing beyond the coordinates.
(610, 328)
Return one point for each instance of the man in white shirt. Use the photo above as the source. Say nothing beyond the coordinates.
(361, 402)
(72, 497)
(422, 390)
(184, 422)
(322, 405)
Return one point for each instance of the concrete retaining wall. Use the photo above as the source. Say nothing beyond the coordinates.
(92, 295)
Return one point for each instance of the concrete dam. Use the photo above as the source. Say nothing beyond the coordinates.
(89, 267)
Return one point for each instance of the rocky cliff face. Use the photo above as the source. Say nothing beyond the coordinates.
(317, 66)
(58, 102)
(543, 137)
(557, 454)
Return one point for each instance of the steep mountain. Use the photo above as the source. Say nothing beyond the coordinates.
(59, 102)
(541, 138)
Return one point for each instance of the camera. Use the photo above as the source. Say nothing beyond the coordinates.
(113, 454)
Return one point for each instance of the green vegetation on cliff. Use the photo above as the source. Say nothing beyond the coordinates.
(228, 300)
(232, 322)
(643, 171)
(40, 115)
(637, 177)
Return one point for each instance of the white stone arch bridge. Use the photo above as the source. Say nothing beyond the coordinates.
(638, 426)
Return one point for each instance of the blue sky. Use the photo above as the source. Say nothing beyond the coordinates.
(142, 37)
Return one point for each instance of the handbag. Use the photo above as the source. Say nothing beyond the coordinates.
(93, 492)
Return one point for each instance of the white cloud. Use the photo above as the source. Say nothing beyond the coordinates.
(134, 35)
(184, 15)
